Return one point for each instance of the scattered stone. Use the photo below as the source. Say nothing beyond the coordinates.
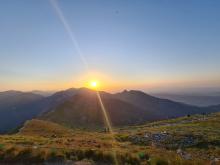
(217, 159)
(183, 154)
(146, 135)
(186, 156)
(160, 137)
(189, 141)
(35, 147)
(54, 136)
(82, 163)
(179, 151)
(214, 160)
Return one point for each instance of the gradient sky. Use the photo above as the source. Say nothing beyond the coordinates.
(141, 44)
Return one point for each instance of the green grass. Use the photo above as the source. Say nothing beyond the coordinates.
(41, 141)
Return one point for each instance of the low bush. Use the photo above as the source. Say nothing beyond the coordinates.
(2, 146)
(55, 156)
(24, 155)
(122, 137)
(9, 154)
(158, 161)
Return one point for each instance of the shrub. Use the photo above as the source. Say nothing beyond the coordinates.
(108, 157)
(128, 159)
(158, 161)
(80, 155)
(134, 160)
(143, 156)
(2, 146)
(122, 137)
(54, 156)
(24, 155)
(89, 153)
(98, 156)
(9, 154)
(69, 154)
(39, 157)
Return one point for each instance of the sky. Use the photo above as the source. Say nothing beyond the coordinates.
(152, 45)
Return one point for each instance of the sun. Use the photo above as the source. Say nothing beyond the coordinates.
(93, 84)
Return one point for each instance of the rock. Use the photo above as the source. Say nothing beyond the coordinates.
(179, 151)
(146, 136)
(189, 141)
(214, 160)
(159, 137)
(186, 156)
(35, 147)
(54, 136)
(82, 163)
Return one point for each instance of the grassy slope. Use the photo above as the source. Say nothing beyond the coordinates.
(43, 128)
(46, 139)
(198, 135)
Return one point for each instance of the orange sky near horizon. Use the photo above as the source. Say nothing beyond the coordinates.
(109, 83)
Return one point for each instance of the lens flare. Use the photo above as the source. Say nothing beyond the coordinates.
(69, 31)
(109, 126)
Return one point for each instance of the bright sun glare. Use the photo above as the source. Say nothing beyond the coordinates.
(93, 84)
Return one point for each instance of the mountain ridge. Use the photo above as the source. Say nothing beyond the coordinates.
(128, 107)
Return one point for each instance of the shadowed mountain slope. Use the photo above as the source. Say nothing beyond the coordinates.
(83, 110)
(17, 107)
(163, 108)
(126, 108)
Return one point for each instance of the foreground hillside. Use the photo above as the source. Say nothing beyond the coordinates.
(186, 140)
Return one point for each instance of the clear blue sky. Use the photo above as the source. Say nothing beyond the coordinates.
(148, 44)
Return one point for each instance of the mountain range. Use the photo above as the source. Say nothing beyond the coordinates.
(196, 99)
(80, 108)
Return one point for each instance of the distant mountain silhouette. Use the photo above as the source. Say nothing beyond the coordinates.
(193, 99)
(80, 108)
(43, 93)
(215, 108)
(163, 108)
(17, 107)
